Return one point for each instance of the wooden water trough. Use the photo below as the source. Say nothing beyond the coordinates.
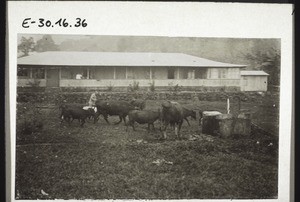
(227, 125)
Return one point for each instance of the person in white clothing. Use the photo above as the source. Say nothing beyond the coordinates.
(93, 99)
(78, 76)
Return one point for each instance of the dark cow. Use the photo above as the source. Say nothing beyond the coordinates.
(141, 104)
(172, 113)
(70, 114)
(63, 107)
(143, 117)
(188, 113)
(113, 108)
(66, 106)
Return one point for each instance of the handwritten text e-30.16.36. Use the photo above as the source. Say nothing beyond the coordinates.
(41, 22)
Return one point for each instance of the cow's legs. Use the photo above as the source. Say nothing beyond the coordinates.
(69, 121)
(124, 119)
(96, 117)
(200, 121)
(148, 128)
(105, 118)
(187, 121)
(165, 126)
(82, 122)
(120, 116)
(62, 119)
(130, 123)
(179, 128)
(172, 125)
(176, 130)
(153, 126)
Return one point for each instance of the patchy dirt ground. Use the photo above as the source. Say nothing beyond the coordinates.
(101, 161)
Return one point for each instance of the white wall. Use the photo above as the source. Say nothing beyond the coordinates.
(25, 82)
(146, 82)
(254, 83)
(231, 73)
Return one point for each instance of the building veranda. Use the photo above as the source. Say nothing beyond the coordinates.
(121, 69)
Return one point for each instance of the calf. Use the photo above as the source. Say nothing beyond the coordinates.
(143, 117)
(63, 107)
(66, 106)
(77, 113)
(188, 113)
(172, 113)
(141, 104)
(113, 108)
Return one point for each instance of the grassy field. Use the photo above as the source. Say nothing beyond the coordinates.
(101, 161)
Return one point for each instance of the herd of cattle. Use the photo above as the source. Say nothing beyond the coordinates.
(170, 113)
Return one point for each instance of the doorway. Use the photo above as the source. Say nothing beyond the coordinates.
(52, 78)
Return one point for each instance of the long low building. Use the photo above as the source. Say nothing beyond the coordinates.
(120, 69)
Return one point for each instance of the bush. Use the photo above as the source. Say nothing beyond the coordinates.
(35, 83)
(134, 86)
(28, 119)
(175, 88)
(152, 86)
(222, 89)
(110, 87)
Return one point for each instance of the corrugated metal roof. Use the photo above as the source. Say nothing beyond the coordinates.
(60, 58)
(253, 73)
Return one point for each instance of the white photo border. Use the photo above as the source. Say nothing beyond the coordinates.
(176, 19)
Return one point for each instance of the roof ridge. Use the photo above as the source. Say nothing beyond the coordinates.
(90, 58)
(113, 52)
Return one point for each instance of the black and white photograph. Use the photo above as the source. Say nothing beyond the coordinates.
(160, 117)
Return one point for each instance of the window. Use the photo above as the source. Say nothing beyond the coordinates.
(153, 75)
(120, 73)
(191, 74)
(138, 73)
(188, 73)
(222, 73)
(92, 73)
(71, 72)
(23, 72)
(201, 73)
(184, 73)
(209, 73)
(38, 73)
(171, 73)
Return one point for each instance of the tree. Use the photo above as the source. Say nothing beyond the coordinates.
(26, 45)
(268, 61)
(46, 43)
(272, 66)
